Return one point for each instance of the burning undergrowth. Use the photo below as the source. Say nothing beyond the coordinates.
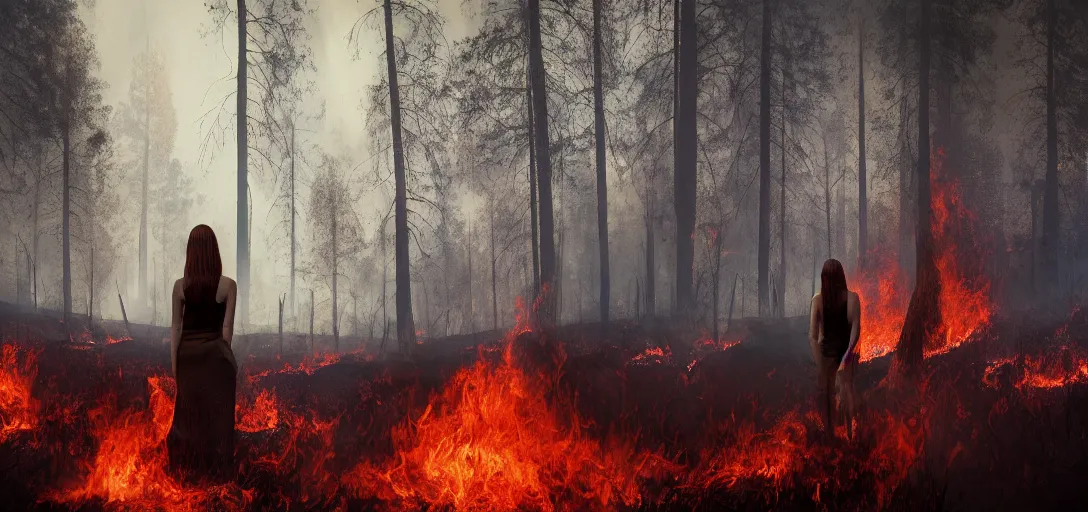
(529, 425)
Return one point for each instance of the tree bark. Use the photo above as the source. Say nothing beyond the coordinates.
(243, 166)
(764, 248)
(533, 185)
(544, 167)
(684, 186)
(66, 213)
(1051, 220)
(863, 205)
(923, 313)
(335, 271)
(782, 195)
(405, 326)
(34, 242)
(385, 283)
(602, 184)
(293, 244)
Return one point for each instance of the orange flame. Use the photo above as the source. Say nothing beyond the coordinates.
(262, 415)
(491, 441)
(18, 408)
(129, 468)
(964, 296)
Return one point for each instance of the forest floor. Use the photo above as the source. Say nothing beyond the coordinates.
(640, 418)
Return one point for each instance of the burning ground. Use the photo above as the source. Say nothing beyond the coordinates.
(529, 423)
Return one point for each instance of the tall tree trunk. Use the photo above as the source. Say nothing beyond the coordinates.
(827, 197)
(815, 272)
(765, 161)
(1051, 221)
(471, 304)
(532, 184)
(405, 326)
(686, 147)
(335, 271)
(923, 314)
(312, 352)
(90, 284)
(651, 270)
(66, 213)
(385, 283)
(717, 278)
(840, 218)
(34, 242)
(602, 184)
(494, 275)
(863, 204)
(243, 166)
(146, 177)
(782, 194)
(544, 166)
(907, 189)
(293, 244)
(732, 300)
(280, 336)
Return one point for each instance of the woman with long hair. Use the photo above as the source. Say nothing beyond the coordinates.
(834, 328)
(201, 438)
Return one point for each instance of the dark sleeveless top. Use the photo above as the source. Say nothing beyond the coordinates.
(836, 332)
(202, 315)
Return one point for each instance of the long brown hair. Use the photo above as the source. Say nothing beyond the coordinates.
(833, 290)
(203, 266)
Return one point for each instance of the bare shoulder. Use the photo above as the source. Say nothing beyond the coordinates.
(228, 284)
(179, 285)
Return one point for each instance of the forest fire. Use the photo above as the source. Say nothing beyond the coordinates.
(491, 441)
(964, 291)
(262, 415)
(500, 435)
(129, 467)
(18, 407)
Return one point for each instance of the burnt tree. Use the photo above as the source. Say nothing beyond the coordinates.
(923, 313)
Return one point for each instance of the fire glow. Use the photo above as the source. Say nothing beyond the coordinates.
(129, 466)
(490, 441)
(964, 293)
(18, 408)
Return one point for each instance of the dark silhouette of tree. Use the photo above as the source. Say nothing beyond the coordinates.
(413, 118)
(272, 50)
(923, 312)
(687, 143)
(602, 186)
(763, 285)
(548, 310)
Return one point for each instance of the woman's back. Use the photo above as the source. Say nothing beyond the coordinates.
(203, 313)
(835, 324)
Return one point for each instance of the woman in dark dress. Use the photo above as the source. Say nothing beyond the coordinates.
(834, 328)
(201, 439)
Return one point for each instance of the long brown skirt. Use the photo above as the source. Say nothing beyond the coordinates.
(201, 438)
